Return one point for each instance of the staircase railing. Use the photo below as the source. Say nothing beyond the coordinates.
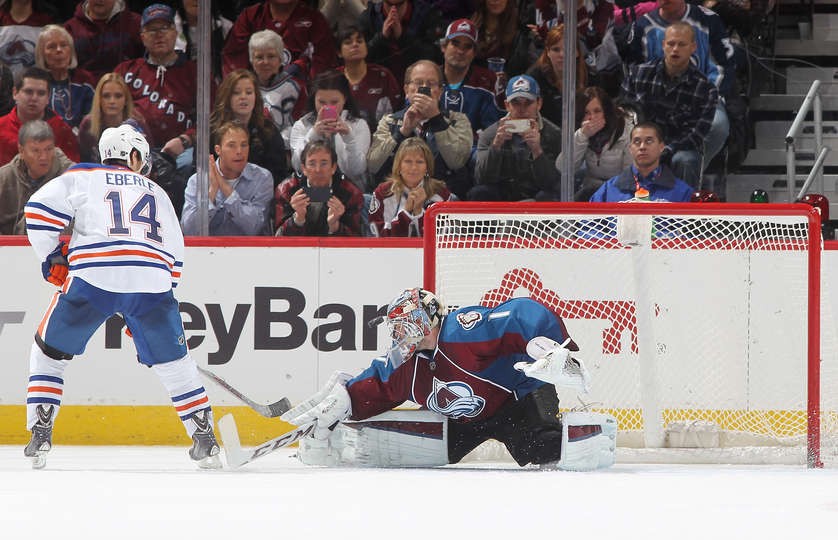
(811, 101)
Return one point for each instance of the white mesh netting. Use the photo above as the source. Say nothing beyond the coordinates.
(694, 327)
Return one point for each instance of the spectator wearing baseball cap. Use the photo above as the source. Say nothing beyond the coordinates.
(104, 34)
(467, 88)
(516, 155)
(163, 85)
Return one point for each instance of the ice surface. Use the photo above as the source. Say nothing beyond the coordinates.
(156, 493)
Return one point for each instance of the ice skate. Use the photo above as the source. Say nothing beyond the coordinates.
(41, 441)
(205, 448)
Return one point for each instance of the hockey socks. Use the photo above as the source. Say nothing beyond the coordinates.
(46, 385)
(183, 383)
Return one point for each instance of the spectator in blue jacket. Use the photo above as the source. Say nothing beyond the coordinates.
(467, 88)
(646, 178)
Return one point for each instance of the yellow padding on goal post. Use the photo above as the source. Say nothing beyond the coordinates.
(128, 425)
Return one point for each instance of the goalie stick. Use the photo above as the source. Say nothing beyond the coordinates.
(236, 456)
(271, 410)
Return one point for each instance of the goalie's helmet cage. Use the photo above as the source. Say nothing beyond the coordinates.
(410, 317)
(118, 142)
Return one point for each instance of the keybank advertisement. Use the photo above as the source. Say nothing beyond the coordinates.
(274, 321)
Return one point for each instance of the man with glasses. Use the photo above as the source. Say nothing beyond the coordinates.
(447, 133)
(105, 33)
(31, 95)
(163, 83)
(402, 32)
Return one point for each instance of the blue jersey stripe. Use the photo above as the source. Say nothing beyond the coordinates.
(119, 263)
(51, 401)
(48, 378)
(44, 228)
(48, 210)
(120, 243)
(188, 394)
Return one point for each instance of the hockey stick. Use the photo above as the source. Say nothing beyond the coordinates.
(237, 456)
(271, 410)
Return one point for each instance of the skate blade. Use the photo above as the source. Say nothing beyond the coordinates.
(210, 462)
(39, 460)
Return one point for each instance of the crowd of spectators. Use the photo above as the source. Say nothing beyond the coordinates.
(351, 117)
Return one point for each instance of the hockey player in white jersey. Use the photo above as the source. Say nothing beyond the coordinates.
(125, 256)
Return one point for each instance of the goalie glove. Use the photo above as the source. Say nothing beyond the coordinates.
(55, 267)
(327, 407)
(553, 364)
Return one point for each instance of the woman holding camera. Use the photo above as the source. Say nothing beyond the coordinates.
(320, 201)
(333, 116)
(398, 205)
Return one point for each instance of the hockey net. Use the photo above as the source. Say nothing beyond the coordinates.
(699, 323)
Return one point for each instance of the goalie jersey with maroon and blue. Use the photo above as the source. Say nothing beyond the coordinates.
(470, 374)
(126, 234)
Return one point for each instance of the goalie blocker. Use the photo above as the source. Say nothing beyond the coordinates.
(582, 441)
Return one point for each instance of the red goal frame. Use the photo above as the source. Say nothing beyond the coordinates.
(686, 209)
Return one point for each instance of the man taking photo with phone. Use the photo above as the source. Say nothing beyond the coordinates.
(516, 155)
(447, 133)
(321, 201)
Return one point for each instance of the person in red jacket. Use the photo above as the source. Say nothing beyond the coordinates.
(304, 31)
(105, 33)
(31, 94)
(163, 83)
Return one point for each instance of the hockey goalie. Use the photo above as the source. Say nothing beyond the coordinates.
(479, 373)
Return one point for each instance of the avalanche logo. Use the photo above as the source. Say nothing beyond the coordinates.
(464, 26)
(375, 204)
(521, 84)
(455, 399)
(469, 319)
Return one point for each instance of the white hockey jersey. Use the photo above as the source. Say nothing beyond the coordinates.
(126, 235)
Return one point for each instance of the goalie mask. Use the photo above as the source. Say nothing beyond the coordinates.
(119, 142)
(411, 317)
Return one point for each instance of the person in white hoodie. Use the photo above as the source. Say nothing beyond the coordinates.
(333, 115)
(601, 142)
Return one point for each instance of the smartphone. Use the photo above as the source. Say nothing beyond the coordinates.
(318, 194)
(328, 112)
(518, 125)
(424, 90)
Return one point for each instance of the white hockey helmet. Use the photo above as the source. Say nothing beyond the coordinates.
(410, 317)
(118, 142)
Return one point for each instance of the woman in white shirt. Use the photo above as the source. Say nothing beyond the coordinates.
(398, 204)
(601, 142)
(332, 115)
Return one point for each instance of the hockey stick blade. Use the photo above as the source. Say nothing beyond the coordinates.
(237, 456)
(272, 410)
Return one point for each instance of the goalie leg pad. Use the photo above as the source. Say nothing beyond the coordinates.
(407, 438)
(589, 441)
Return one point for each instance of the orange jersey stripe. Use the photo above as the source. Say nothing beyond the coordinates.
(43, 324)
(118, 253)
(30, 215)
(190, 405)
(49, 389)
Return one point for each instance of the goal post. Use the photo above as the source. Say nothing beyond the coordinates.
(699, 323)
